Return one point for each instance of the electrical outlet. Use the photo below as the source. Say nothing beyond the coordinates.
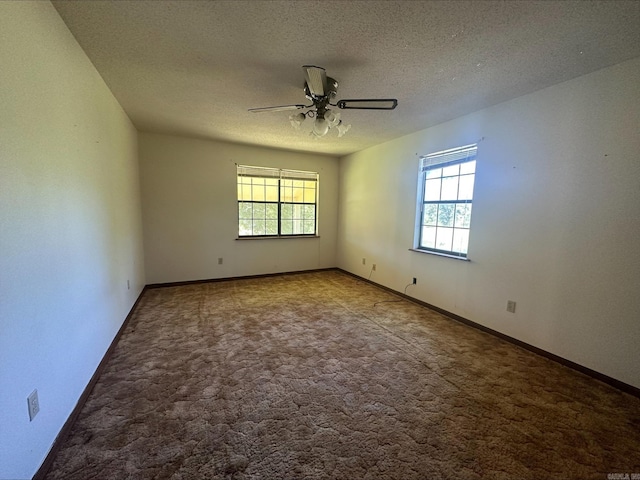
(415, 280)
(34, 404)
(511, 306)
(128, 285)
(219, 260)
(373, 267)
(364, 261)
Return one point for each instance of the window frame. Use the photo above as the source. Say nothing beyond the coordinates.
(439, 161)
(284, 178)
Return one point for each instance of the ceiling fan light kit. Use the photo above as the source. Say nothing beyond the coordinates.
(321, 90)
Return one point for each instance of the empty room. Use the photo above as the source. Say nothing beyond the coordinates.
(319, 239)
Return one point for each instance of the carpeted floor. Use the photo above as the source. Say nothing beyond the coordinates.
(308, 376)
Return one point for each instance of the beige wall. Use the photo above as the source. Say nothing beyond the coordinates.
(555, 222)
(70, 233)
(190, 211)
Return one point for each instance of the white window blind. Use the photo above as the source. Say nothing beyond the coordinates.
(454, 155)
(247, 171)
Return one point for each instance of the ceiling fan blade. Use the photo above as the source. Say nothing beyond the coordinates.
(280, 108)
(316, 79)
(369, 104)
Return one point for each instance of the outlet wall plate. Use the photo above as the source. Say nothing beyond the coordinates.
(511, 306)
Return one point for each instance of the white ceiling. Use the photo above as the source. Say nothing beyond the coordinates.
(194, 67)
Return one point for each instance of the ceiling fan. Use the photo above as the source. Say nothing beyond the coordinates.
(322, 90)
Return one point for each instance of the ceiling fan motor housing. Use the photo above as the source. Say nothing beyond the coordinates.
(320, 102)
(332, 90)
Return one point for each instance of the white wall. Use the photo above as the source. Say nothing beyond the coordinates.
(71, 233)
(189, 203)
(555, 223)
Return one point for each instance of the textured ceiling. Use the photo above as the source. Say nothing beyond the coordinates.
(194, 67)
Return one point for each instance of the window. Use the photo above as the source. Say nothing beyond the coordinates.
(276, 203)
(445, 191)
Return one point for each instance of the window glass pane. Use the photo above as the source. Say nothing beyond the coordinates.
(272, 193)
(449, 188)
(257, 192)
(244, 192)
(466, 187)
(245, 210)
(444, 238)
(428, 238)
(286, 183)
(259, 211)
(434, 173)
(463, 215)
(310, 184)
(468, 167)
(451, 170)
(271, 182)
(298, 183)
(446, 213)
(286, 194)
(287, 227)
(287, 211)
(310, 211)
(309, 226)
(259, 227)
(245, 226)
(298, 194)
(297, 211)
(271, 211)
(430, 214)
(460, 240)
(432, 189)
(309, 195)
(272, 227)
(298, 227)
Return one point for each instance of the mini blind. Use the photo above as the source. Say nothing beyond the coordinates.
(298, 175)
(249, 171)
(448, 157)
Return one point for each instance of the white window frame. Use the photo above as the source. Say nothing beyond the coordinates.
(435, 164)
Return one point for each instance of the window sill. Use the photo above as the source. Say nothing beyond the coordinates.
(455, 257)
(282, 237)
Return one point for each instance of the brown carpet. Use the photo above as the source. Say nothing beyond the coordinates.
(307, 376)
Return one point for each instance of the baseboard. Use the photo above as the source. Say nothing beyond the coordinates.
(625, 387)
(225, 279)
(66, 428)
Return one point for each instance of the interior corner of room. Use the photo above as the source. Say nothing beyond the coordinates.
(94, 208)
